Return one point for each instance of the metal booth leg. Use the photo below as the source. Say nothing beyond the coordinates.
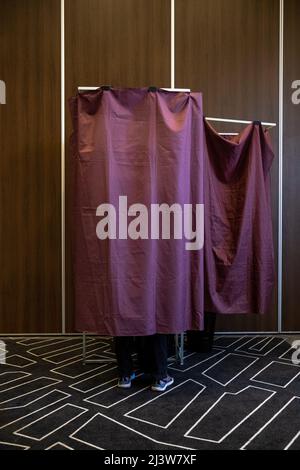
(179, 345)
(181, 349)
(84, 348)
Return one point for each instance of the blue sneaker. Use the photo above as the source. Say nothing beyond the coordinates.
(125, 382)
(163, 384)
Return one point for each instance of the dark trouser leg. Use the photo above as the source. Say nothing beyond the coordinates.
(210, 326)
(158, 348)
(145, 354)
(171, 346)
(124, 349)
(202, 341)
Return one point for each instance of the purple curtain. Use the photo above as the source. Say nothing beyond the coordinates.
(239, 260)
(148, 146)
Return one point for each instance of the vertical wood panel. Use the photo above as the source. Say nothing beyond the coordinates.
(228, 49)
(123, 43)
(291, 170)
(30, 295)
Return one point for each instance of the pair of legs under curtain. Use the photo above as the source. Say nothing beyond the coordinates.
(152, 354)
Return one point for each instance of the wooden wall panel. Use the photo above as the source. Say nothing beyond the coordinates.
(123, 43)
(30, 294)
(228, 49)
(291, 170)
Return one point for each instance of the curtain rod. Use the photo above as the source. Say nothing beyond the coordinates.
(239, 121)
(91, 88)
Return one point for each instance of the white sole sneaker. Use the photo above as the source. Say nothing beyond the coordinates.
(160, 388)
(128, 384)
(124, 385)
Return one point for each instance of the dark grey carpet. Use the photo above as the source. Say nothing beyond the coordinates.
(244, 395)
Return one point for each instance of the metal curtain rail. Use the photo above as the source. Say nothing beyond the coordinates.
(238, 121)
(93, 88)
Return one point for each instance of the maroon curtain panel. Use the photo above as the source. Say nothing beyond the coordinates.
(147, 146)
(239, 254)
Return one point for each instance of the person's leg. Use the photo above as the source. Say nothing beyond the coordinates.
(144, 354)
(159, 350)
(210, 326)
(123, 350)
(171, 346)
(202, 341)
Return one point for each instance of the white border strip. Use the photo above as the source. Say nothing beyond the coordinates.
(280, 162)
(63, 231)
(172, 43)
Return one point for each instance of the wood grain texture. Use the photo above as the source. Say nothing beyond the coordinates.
(123, 43)
(228, 49)
(291, 171)
(30, 249)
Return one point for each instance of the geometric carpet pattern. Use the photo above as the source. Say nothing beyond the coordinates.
(245, 394)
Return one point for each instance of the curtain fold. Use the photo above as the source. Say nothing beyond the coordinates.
(239, 254)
